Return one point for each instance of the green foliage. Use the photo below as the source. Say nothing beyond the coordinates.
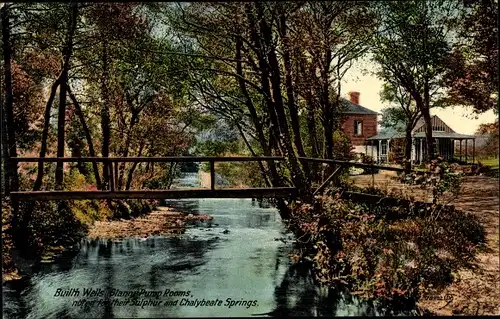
(413, 66)
(47, 225)
(164, 179)
(241, 173)
(217, 148)
(385, 252)
(342, 146)
(393, 117)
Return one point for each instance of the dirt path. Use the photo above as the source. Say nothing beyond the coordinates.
(473, 292)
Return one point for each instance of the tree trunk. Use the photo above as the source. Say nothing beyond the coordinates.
(45, 133)
(61, 118)
(132, 169)
(126, 148)
(9, 148)
(105, 121)
(408, 147)
(266, 149)
(11, 177)
(428, 123)
(311, 127)
(5, 154)
(276, 106)
(292, 105)
(79, 113)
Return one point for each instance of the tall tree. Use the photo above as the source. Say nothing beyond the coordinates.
(403, 115)
(412, 49)
(63, 91)
(327, 37)
(12, 181)
(252, 73)
(472, 77)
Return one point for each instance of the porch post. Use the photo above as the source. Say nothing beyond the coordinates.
(412, 154)
(420, 154)
(450, 150)
(388, 143)
(437, 147)
(465, 151)
(373, 146)
(473, 150)
(379, 150)
(460, 150)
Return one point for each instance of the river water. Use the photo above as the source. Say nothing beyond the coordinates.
(240, 258)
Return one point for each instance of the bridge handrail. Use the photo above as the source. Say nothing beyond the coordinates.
(149, 159)
(354, 164)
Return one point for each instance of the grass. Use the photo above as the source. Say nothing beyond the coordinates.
(490, 162)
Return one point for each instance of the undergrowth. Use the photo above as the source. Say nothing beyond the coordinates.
(387, 252)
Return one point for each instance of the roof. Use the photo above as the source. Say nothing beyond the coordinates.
(387, 134)
(353, 108)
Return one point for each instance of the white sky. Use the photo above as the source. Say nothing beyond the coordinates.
(458, 118)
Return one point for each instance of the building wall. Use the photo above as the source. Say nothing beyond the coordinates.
(369, 128)
(367, 150)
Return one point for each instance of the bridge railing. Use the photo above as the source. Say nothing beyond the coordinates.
(112, 193)
(352, 164)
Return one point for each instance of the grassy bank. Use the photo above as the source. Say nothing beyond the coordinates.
(385, 253)
(47, 229)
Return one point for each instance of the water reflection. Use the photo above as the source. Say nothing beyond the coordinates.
(237, 256)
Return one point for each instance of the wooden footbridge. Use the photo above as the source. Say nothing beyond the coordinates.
(212, 192)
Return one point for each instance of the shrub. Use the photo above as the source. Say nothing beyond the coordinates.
(241, 173)
(365, 159)
(385, 252)
(342, 146)
(439, 176)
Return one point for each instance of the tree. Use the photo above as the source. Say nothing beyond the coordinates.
(9, 146)
(403, 116)
(256, 57)
(491, 130)
(472, 76)
(63, 89)
(412, 49)
(326, 38)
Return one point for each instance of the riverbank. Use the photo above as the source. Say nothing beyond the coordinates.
(473, 291)
(125, 219)
(163, 221)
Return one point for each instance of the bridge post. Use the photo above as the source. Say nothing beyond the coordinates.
(212, 175)
(115, 167)
(111, 176)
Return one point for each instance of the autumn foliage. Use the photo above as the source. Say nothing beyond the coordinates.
(386, 253)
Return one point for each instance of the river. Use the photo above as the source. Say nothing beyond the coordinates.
(241, 257)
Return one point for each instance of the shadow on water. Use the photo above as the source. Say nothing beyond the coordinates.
(243, 255)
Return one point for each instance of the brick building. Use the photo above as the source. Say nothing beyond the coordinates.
(359, 124)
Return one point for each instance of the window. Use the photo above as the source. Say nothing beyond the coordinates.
(358, 128)
(383, 151)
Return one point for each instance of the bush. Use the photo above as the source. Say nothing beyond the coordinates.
(439, 176)
(385, 252)
(44, 225)
(342, 146)
(365, 159)
(241, 173)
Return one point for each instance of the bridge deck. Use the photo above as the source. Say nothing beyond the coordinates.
(158, 194)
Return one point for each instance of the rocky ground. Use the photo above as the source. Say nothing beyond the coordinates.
(474, 291)
(162, 221)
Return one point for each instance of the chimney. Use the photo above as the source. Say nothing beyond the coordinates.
(354, 97)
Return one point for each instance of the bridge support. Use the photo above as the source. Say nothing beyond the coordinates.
(212, 175)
